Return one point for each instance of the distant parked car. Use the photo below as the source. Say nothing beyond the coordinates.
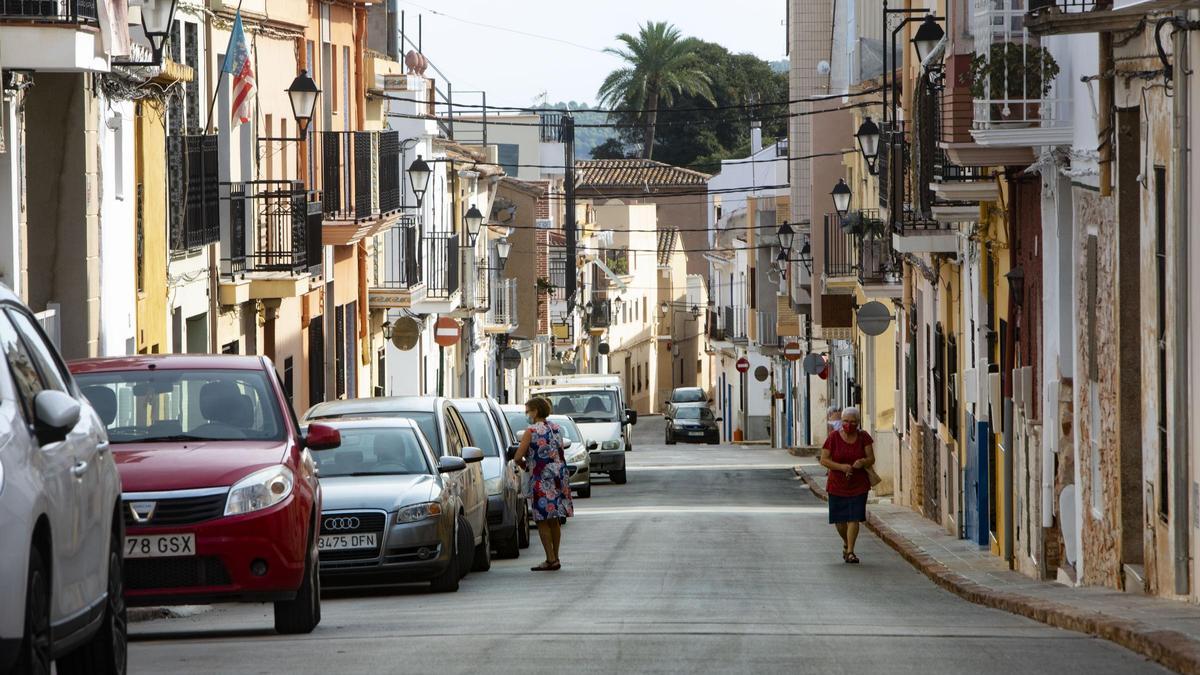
(221, 502)
(684, 397)
(577, 453)
(448, 435)
(693, 425)
(507, 512)
(390, 512)
(61, 534)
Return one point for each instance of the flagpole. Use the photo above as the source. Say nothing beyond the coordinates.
(212, 104)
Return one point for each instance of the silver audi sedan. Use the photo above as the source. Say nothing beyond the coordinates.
(389, 515)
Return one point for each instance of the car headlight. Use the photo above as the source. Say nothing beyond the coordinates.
(577, 456)
(411, 514)
(610, 445)
(260, 490)
(493, 485)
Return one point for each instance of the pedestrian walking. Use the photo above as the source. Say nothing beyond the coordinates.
(849, 454)
(541, 453)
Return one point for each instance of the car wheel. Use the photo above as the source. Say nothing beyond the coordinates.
(510, 546)
(482, 561)
(302, 614)
(106, 652)
(617, 477)
(523, 527)
(584, 492)
(466, 542)
(35, 650)
(715, 440)
(447, 581)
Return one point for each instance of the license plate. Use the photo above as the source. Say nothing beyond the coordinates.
(696, 433)
(160, 546)
(339, 542)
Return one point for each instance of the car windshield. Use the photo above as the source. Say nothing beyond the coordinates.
(691, 395)
(584, 406)
(568, 427)
(375, 451)
(424, 421)
(165, 405)
(480, 426)
(693, 414)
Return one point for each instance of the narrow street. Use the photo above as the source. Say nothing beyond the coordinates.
(711, 559)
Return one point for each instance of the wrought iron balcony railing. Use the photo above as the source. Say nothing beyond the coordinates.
(1068, 6)
(441, 266)
(196, 191)
(767, 325)
(600, 315)
(360, 174)
(398, 265)
(49, 11)
(841, 246)
(502, 305)
(733, 322)
(879, 264)
(273, 227)
(716, 329)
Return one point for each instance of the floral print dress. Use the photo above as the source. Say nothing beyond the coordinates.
(549, 483)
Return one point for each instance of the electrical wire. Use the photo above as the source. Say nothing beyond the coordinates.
(723, 162)
(503, 28)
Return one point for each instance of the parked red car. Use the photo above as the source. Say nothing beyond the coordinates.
(220, 496)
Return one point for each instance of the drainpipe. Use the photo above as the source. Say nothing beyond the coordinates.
(1181, 478)
(1106, 114)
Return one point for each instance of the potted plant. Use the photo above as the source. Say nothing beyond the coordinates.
(1014, 78)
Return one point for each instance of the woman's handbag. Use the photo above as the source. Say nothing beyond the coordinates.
(873, 477)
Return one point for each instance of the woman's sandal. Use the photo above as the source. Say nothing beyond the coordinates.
(852, 559)
(556, 566)
(544, 567)
(845, 552)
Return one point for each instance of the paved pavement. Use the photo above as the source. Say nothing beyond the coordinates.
(712, 559)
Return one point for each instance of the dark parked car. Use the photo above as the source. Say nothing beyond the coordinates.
(684, 397)
(693, 425)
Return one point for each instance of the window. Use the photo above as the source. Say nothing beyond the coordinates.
(939, 374)
(333, 70)
(339, 351)
(20, 365)
(289, 379)
(509, 157)
(374, 451)
(316, 361)
(54, 373)
(479, 424)
(1160, 264)
(456, 440)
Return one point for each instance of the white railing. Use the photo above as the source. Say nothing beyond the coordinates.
(1013, 96)
(768, 331)
(503, 303)
(51, 323)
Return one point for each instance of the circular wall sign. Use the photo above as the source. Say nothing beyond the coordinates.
(510, 359)
(874, 318)
(761, 373)
(405, 333)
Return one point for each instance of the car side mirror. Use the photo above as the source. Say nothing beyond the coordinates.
(472, 455)
(566, 443)
(666, 403)
(720, 419)
(631, 415)
(56, 413)
(450, 464)
(592, 445)
(511, 452)
(321, 437)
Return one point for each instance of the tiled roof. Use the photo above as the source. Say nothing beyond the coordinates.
(634, 173)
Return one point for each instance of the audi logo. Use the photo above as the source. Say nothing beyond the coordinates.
(342, 523)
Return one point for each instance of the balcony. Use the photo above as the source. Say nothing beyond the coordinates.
(767, 335)
(1020, 105)
(879, 267)
(716, 329)
(274, 244)
(195, 197)
(396, 279)
(441, 266)
(841, 249)
(600, 315)
(1065, 17)
(51, 35)
(733, 320)
(909, 167)
(360, 183)
(501, 316)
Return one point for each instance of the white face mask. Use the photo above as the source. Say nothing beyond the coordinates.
(836, 425)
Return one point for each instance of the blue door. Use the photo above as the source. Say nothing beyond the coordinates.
(977, 477)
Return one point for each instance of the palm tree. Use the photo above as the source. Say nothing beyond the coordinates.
(659, 65)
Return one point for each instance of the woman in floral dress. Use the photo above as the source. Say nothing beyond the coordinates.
(541, 453)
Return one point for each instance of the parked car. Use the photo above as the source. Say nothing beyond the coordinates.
(684, 397)
(61, 534)
(693, 425)
(597, 403)
(507, 511)
(390, 513)
(577, 451)
(221, 502)
(448, 435)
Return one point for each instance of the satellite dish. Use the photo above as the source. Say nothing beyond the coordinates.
(874, 318)
(823, 68)
(405, 333)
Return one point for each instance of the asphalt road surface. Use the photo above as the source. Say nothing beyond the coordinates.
(712, 559)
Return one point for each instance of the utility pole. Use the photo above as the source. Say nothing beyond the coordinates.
(568, 140)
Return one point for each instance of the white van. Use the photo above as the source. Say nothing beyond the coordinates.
(597, 404)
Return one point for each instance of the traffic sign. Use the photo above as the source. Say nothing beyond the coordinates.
(814, 364)
(873, 318)
(792, 351)
(743, 365)
(446, 332)
(761, 373)
(510, 359)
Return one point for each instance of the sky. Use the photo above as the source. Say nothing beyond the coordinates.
(516, 69)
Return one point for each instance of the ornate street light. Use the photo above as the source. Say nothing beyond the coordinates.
(787, 236)
(618, 303)
(303, 94)
(503, 248)
(695, 311)
(418, 176)
(927, 37)
(663, 308)
(474, 220)
(841, 197)
(782, 261)
(157, 18)
(1016, 283)
(868, 142)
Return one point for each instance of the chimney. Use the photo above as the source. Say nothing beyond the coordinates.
(755, 137)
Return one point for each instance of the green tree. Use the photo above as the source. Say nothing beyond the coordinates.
(612, 148)
(660, 65)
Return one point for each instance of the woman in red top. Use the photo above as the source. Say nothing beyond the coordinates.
(847, 454)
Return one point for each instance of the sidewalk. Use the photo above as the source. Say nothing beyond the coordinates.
(1164, 631)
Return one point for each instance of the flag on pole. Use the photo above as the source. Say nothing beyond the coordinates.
(237, 63)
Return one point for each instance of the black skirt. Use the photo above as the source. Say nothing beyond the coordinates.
(848, 509)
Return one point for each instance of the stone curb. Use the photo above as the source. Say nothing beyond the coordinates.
(1171, 649)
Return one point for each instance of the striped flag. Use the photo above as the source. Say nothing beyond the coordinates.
(237, 63)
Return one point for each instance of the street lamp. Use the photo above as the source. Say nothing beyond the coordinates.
(841, 197)
(474, 221)
(303, 94)
(868, 142)
(695, 311)
(618, 303)
(927, 37)
(781, 261)
(503, 248)
(1016, 283)
(663, 308)
(418, 176)
(787, 236)
(157, 17)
